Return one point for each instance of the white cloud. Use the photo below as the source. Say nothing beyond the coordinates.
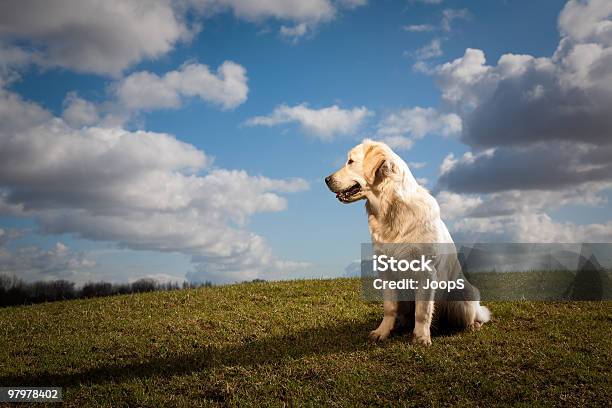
(449, 15)
(305, 15)
(79, 112)
(434, 47)
(540, 131)
(141, 190)
(289, 10)
(520, 215)
(17, 114)
(542, 166)
(400, 129)
(90, 36)
(352, 3)
(480, 230)
(587, 21)
(464, 79)
(419, 28)
(507, 203)
(429, 50)
(417, 165)
(160, 277)
(34, 263)
(530, 227)
(541, 228)
(324, 123)
(226, 88)
(398, 142)
(428, 1)
(454, 205)
(295, 32)
(550, 113)
(108, 37)
(12, 58)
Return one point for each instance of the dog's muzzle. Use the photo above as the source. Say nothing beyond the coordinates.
(346, 195)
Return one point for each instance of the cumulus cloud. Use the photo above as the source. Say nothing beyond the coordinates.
(141, 190)
(551, 114)
(542, 166)
(542, 228)
(92, 36)
(107, 37)
(464, 80)
(227, 87)
(508, 203)
(587, 21)
(79, 112)
(17, 114)
(521, 216)
(530, 227)
(12, 60)
(141, 91)
(324, 123)
(540, 133)
(34, 263)
(291, 10)
(400, 129)
(305, 15)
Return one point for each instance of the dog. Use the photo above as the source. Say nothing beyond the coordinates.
(400, 211)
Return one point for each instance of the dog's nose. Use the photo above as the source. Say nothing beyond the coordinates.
(328, 180)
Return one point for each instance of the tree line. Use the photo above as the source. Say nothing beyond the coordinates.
(14, 291)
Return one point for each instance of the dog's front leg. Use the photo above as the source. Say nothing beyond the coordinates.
(390, 314)
(422, 322)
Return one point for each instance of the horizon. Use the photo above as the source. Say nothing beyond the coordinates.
(188, 141)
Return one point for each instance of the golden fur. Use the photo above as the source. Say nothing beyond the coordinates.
(401, 211)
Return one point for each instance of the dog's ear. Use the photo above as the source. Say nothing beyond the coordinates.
(376, 163)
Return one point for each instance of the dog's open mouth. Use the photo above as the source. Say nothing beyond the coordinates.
(345, 196)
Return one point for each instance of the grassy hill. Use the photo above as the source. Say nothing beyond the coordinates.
(301, 342)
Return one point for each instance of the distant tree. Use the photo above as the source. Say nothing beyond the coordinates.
(96, 289)
(50, 291)
(144, 285)
(14, 291)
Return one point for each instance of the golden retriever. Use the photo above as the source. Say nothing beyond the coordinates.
(401, 211)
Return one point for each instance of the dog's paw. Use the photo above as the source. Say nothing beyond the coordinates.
(475, 326)
(421, 340)
(378, 335)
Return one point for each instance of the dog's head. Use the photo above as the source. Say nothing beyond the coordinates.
(368, 166)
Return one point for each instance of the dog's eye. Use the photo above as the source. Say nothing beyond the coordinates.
(350, 161)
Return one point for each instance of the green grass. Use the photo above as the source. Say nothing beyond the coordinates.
(301, 343)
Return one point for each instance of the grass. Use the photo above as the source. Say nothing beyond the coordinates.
(301, 343)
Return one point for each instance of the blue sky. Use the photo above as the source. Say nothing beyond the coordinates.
(357, 56)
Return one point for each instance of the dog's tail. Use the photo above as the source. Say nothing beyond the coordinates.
(483, 314)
